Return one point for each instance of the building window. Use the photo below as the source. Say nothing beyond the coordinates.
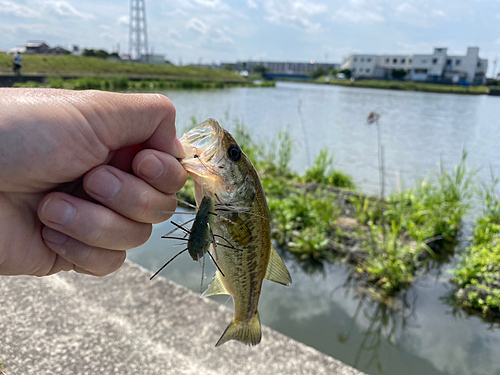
(362, 59)
(423, 61)
(368, 70)
(402, 61)
(395, 61)
(478, 64)
(457, 62)
(387, 60)
(448, 62)
(355, 59)
(434, 61)
(410, 61)
(368, 59)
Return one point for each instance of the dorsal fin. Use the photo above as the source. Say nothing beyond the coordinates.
(215, 287)
(276, 269)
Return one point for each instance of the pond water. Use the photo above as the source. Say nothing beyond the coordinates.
(425, 336)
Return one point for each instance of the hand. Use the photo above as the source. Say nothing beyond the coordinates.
(119, 150)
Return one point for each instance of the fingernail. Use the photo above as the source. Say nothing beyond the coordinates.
(53, 236)
(58, 211)
(179, 148)
(104, 184)
(150, 167)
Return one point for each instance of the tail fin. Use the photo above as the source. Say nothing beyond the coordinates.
(245, 332)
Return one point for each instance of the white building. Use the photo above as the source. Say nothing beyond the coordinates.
(284, 67)
(438, 67)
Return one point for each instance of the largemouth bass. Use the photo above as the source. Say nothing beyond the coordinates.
(221, 170)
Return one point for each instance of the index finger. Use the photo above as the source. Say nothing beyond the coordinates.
(127, 119)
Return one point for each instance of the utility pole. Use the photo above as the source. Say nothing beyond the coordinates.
(138, 33)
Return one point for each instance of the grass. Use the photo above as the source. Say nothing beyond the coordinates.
(69, 65)
(409, 86)
(478, 274)
(120, 83)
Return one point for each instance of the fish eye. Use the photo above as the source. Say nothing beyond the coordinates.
(234, 153)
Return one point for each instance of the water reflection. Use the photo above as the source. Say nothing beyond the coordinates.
(386, 324)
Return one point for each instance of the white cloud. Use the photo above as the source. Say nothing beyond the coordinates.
(197, 25)
(18, 10)
(294, 13)
(360, 12)
(438, 13)
(252, 4)
(124, 20)
(355, 16)
(406, 8)
(221, 36)
(63, 8)
(497, 16)
(213, 4)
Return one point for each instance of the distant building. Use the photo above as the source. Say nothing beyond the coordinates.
(437, 67)
(35, 47)
(152, 59)
(283, 67)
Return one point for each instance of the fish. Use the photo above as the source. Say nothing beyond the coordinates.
(220, 169)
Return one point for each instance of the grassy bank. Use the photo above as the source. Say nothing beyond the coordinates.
(69, 65)
(121, 83)
(318, 216)
(408, 86)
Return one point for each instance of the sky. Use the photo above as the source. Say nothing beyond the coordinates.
(193, 31)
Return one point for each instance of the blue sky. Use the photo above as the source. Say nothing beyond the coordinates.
(295, 30)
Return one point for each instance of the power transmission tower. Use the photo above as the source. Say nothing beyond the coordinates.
(138, 33)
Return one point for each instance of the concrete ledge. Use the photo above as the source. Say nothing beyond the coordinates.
(125, 324)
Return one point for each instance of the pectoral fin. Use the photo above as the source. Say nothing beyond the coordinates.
(276, 269)
(215, 287)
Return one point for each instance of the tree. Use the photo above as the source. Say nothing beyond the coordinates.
(346, 72)
(100, 53)
(320, 71)
(260, 69)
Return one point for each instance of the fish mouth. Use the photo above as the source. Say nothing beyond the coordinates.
(204, 156)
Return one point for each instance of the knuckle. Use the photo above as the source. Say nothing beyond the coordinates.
(143, 203)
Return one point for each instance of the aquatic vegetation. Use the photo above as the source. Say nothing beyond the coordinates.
(322, 172)
(478, 274)
(304, 222)
(410, 227)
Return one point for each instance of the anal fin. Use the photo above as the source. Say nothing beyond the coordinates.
(215, 287)
(276, 269)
